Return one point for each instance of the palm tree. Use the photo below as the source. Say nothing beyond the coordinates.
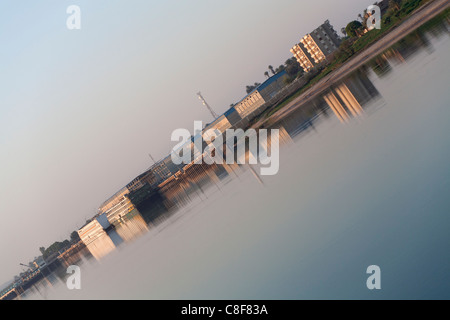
(365, 16)
(281, 68)
(272, 70)
(267, 74)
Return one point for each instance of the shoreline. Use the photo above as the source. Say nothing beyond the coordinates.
(417, 19)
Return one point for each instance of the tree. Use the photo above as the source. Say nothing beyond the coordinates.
(55, 248)
(365, 16)
(353, 28)
(287, 80)
(74, 237)
(249, 89)
(42, 250)
(267, 74)
(345, 50)
(281, 68)
(293, 67)
(395, 4)
(343, 31)
(272, 70)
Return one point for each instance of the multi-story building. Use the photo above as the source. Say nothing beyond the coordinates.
(139, 182)
(249, 104)
(302, 57)
(95, 237)
(315, 47)
(117, 206)
(164, 169)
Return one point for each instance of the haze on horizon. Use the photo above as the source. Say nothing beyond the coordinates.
(81, 110)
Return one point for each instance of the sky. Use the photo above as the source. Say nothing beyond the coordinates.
(80, 110)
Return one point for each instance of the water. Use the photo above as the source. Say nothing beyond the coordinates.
(370, 189)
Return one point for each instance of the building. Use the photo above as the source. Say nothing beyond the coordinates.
(315, 47)
(233, 117)
(156, 174)
(272, 86)
(164, 169)
(132, 228)
(302, 57)
(117, 206)
(100, 237)
(249, 104)
(216, 128)
(148, 177)
(260, 95)
(39, 262)
(95, 237)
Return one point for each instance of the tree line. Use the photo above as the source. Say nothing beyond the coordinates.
(356, 28)
(59, 246)
(291, 66)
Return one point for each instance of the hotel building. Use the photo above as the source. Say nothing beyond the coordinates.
(315, 47)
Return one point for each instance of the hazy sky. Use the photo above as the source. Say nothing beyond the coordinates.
(80, 110)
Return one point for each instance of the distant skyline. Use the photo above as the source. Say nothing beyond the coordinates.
(80, 110)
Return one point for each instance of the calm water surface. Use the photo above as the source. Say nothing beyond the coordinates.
(371, 190)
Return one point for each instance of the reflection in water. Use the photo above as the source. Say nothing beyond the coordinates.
(147, 203)
(409, 46)
(346, 99)
(135, 210)
(52, 274)
(132, 216)
(344, 102)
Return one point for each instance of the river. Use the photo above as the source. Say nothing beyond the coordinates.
(359, 185)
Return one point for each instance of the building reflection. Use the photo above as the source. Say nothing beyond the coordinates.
(347, 98)
(347, 102)
(158, 194)
(147, 202)
(409, 46)
(132, 227)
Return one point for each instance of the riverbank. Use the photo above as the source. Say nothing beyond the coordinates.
(417, 19)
